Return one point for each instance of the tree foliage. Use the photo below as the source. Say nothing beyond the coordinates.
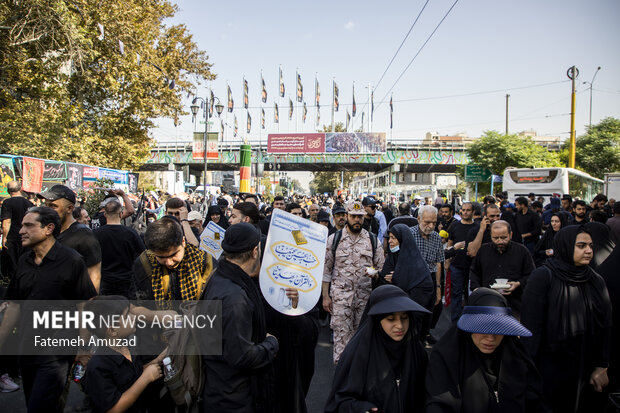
(68, 92)
(498, 152)
(598, 151)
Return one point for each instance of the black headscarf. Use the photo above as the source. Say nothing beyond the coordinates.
(369, 367)
(578, 300)
(410, 269)
(215, 209)
(546, 241)
(461, 379)
(601, 240)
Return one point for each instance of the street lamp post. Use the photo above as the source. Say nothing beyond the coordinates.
(590, 83)
(204, 103)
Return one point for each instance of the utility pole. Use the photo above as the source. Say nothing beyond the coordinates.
(572, 74)
(507, 96)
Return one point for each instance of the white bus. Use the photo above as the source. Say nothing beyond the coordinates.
(550, 182)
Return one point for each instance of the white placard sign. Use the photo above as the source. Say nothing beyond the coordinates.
(294, 257)
(211, 239)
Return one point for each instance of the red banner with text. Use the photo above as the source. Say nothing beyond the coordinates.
(296, 143)
(32, 170)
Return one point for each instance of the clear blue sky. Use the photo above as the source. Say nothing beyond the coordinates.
(483, 45)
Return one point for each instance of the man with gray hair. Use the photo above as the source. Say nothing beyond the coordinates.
(430, 246)
(502, 258)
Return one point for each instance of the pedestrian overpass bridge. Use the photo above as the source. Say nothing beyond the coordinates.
(413, 157)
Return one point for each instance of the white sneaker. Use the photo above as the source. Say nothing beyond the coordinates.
(7, 385)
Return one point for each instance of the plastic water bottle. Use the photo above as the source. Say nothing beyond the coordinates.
(169, 370)
(78, 372)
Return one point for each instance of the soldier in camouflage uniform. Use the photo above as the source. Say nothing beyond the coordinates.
(346, 269)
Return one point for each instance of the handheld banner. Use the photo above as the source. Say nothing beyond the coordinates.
(294, 258)
(211, 239)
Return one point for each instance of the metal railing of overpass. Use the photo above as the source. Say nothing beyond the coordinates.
(173, 146)
(186, 146)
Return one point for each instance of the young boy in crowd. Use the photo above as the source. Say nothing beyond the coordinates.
(115, 378)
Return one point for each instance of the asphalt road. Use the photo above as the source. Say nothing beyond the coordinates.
(317, 395)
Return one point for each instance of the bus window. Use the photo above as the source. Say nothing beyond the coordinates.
(533, 176)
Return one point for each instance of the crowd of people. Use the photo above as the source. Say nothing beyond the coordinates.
(532, 289)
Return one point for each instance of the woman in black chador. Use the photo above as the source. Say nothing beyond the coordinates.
(480, 365)
(544, 247)
(405, 267)
(567, 308)
(382, 368)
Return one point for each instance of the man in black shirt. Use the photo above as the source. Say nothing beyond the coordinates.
(446, 217)
(481, 233)
(502, 258)
(99, 219)
(580, 213)
(120, 246)
(241, 379)
(528, 223)
(50, 271)
(73, 234)
(459, 265)
(13, 211)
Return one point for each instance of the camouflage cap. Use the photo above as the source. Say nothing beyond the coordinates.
(355, 208)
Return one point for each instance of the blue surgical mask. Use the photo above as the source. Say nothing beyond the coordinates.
(395, 249)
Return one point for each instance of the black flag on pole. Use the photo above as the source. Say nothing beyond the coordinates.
(354, 109)
(348, 120)
(305, 113)
(245, 94)
(262, 118)
(391, 113)
(264, 91)
(249, 122)
(290, 110)
(276, 114)
(372, 105)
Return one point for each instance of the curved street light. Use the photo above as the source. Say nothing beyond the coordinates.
(590, 83)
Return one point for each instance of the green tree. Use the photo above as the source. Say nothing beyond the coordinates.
(598, 151)
(498, 152)
(70, 91)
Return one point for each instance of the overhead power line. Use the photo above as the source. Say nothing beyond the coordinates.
(401, 45)
(419, 51)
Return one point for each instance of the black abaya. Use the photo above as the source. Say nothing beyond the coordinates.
(460, 379)
(610, 271)
(366, 376)
(567, 309)
(294, 364)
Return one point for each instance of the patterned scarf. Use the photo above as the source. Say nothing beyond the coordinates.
(192, 274)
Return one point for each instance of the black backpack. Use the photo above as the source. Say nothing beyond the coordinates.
(338, 237)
